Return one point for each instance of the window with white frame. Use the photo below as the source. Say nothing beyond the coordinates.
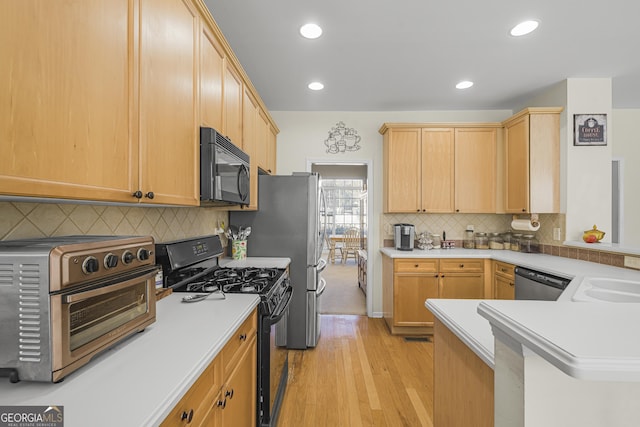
(346, 205)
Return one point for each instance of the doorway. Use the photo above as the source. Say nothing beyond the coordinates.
(346, 218)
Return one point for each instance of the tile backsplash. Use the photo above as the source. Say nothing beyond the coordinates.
(455, 224)
(24, 220)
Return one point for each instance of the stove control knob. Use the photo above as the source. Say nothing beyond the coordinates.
(90, 265)
(110, 261)
(143, 254)
(127, 257)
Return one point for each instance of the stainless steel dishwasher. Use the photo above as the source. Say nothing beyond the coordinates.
(536, 285)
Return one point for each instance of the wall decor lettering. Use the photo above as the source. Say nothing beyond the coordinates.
(589, 129)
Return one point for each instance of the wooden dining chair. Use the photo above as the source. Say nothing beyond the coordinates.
(333, 248)
(351, 244)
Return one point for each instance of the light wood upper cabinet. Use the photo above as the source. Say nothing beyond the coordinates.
(272, 137)
(262, 129)
(211, 78)
(402, 166)
(169, 131)
(439, 169)
(532, 161)
(233, 96)
(106, 124)
(249, 119)
(67, 118)
(475, 170)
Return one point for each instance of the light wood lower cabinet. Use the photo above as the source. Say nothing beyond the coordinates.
(225, 393)
(503, 280)
(463, 391)
(409, 282)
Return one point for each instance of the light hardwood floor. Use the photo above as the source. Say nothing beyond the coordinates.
(359, 375)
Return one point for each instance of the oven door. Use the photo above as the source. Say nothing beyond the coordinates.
(86, 321)
(278, 361)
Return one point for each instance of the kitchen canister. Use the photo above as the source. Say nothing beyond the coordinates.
(239, 249)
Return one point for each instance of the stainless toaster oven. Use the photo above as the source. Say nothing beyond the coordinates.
(65, 299)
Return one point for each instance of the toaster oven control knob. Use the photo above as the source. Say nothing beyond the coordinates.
(90, 265)
(143, 254)
(127, 257)
(110, 261)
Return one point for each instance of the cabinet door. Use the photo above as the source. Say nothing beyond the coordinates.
(232, 112)
(503, 287)
(402, 170)
(461, 285)
(409, 294)
(475, 170)
(68, 82)
(249, 117)
(169, 136)
(437, 170)
(272, 146)
(262, 144)
(503, 280)
(516, 197)
(240, 391)
(194, 409)
(211, 76)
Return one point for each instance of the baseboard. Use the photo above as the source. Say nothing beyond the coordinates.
(376, 314)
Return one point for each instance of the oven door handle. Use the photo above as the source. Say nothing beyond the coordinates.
(281, 310)
(121, 284)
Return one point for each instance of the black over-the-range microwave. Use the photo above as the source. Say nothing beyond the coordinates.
(224, 170)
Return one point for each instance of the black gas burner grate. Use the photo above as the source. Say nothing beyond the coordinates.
(231, 280)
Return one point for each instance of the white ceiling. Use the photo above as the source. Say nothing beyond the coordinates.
(407, 55)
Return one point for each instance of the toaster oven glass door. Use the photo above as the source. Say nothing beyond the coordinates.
(90, 319)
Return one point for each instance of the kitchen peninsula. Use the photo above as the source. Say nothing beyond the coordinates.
(555, 363)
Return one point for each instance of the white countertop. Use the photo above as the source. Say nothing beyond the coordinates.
(138, 381)
(587, 340)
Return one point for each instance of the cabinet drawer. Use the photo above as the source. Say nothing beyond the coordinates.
(455, 265)
(238, 341)
(415, 265)
(192, 409)
(503, 268)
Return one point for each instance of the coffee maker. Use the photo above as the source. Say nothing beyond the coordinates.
(403, 237)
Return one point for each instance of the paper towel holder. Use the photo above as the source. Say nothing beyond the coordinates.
(535, 219)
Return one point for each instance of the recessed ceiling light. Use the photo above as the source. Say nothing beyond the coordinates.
(311, 31)
(524, 28)
(316, 86)
(465, 84)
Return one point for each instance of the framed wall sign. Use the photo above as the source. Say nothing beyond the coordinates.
(589, 129)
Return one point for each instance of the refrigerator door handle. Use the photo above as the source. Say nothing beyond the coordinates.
(321, 265)
(323, 285)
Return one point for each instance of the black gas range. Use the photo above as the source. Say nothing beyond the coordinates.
(191, 265)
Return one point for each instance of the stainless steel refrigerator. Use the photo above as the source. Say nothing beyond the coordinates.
(288, 223)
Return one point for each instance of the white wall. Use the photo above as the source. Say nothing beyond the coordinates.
(588, 191)
(301, 138)
(626, 146)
